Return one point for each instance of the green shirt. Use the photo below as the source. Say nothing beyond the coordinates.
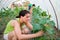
(9, 27)
(30, 5)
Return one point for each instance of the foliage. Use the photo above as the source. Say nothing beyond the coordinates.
(6, 14)
(41, 21)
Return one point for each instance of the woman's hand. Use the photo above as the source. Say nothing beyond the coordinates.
(40, 33)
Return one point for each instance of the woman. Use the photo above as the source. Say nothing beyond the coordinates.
(14, 27)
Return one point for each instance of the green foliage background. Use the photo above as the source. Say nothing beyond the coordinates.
(6, 14)
(41, 21)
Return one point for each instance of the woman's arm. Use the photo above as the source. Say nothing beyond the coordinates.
(24, 36)
(29, 26)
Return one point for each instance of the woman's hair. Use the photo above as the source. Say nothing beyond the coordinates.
(23, 13)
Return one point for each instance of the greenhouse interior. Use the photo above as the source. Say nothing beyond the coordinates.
(29, 20)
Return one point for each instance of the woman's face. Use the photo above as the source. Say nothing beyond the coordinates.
(26, 18)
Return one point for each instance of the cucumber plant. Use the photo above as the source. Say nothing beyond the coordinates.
(42, 21)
